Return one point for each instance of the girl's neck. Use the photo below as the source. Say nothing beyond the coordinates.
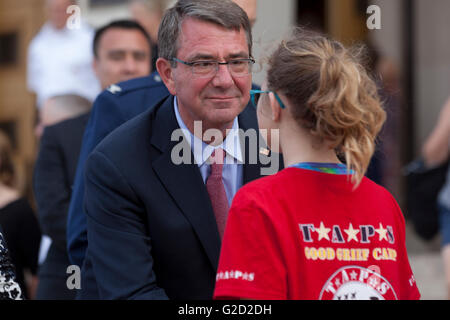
(298, 146)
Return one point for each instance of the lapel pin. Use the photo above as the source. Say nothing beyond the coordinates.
(114, 88)
(157, 78)
(264, 151)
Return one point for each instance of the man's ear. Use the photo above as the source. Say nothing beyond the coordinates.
(95, 66)
(165, 72)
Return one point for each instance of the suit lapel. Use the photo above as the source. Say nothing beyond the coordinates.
(184, 182)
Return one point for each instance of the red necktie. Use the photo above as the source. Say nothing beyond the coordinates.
(216, 190)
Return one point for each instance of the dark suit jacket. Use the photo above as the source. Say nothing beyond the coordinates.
(151, 229)
(111, 109)
(53, 178)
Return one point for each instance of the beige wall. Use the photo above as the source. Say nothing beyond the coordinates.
(432, 56)
(97, 17)
(23, 18)
(272, 23)
(389, 38)
(432, 63)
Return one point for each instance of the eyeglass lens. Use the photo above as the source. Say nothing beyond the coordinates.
(237, 68)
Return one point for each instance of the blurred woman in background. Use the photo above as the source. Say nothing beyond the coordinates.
(9, 288)
(19, 223)
(435, 152)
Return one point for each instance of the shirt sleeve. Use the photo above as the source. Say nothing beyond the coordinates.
(33, 67)
(105, 117)
(52, 188)
(119, 246)
(251, 264)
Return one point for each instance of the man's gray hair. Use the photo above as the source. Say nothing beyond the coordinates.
(224, 13)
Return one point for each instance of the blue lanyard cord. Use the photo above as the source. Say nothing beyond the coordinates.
(333, 168)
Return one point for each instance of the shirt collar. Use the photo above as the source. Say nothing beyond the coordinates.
(231, 144)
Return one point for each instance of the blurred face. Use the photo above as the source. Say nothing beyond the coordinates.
(56, 10)
(215, 100)
(50, 113)
(249, 6)
(148, 19)
(122, 54)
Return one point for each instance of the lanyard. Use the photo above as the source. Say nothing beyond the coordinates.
(333, 168)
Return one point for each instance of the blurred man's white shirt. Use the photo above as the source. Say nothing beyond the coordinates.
(60, 62)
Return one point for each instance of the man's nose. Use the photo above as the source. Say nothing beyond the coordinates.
(223, 77)
(130, 64)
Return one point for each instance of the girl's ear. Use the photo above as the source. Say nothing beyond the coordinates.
(275, 108)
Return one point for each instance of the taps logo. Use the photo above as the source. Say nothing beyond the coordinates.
(357, 283)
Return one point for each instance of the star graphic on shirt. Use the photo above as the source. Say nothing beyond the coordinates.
(353, 275)
(351, 233)
(323, 232)
(382, 232)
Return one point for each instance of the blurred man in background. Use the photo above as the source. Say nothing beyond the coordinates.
(148, 13)
(122, 51)
(59, 108)
(249, 7)
(435, 152)
(60, 59)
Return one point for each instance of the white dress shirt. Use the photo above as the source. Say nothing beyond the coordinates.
(60, 62)
(232, 175)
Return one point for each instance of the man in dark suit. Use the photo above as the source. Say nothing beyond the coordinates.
(122, 51)
(53, 177)
(154, 225)
(114, 106)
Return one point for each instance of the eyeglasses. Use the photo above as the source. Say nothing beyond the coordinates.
(255, 94)
(206, 69)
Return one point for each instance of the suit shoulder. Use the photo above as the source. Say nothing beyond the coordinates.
(129, 86)
(127, 135)
(77, 121)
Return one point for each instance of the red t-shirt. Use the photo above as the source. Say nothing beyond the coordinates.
(302, 234)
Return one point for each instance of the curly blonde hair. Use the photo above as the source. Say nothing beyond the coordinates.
(331, 95)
